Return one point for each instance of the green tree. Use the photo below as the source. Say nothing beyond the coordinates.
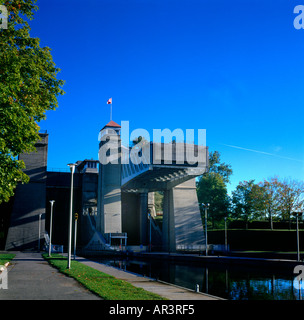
(212, 188)
(158, 201)
(216, 166)
(272, 199)
(28, 88)
(291, 193)
(248, 201)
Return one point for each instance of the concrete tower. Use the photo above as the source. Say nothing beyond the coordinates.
(109, 180)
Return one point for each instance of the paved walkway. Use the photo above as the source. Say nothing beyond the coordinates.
(30, 277)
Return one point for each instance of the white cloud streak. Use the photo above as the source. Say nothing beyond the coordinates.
(262, 152)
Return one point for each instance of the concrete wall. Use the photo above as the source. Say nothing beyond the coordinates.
(187, 217)
(109, 198)
(29, 201)
(130, 217)
(168, 227)
(109, 184)
(58, 187)
(182, 223)
(88, 214)
(151, 204)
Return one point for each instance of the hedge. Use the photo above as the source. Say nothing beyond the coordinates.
(260, 240)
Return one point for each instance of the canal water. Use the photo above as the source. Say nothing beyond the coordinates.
(233, 282)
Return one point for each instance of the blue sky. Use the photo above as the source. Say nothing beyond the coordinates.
(234, 68)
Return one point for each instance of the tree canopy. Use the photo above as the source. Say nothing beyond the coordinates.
(216, 166)
(212, 188)
(28, 88)
(248, 200)
(270, 199)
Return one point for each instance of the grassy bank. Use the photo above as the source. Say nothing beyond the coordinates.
(6, 258)
(104, 285)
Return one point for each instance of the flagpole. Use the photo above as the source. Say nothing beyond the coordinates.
(110, 102)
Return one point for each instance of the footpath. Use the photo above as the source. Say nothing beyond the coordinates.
(30, 277)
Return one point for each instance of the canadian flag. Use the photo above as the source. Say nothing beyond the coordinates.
(109, 101)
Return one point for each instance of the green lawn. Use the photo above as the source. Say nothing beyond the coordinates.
(6, 257)
(106, 286)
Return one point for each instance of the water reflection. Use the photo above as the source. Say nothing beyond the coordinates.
(233, 282)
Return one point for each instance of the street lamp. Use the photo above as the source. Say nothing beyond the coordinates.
(226, 237)
(72, 168)
(150, 217)
(51, 223)
(298, 241)
(75, 234)
(206, 206)
(39, 230)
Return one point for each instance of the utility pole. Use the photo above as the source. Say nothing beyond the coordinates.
(51, 224)
(39, 230)
(226, 241)
(75, 234)
(72, 168)
(206, 206)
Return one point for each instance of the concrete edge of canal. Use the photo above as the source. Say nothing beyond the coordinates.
(172, 291)
(162, 288)
(217, 259)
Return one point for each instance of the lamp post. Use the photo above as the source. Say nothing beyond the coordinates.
(206, 206)
(51, 223)
(75, 234)
(149, 217)
(39, 231)
(226, 242)
(298, 238)
(72, 168)
(297, 214)
(298, 246)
